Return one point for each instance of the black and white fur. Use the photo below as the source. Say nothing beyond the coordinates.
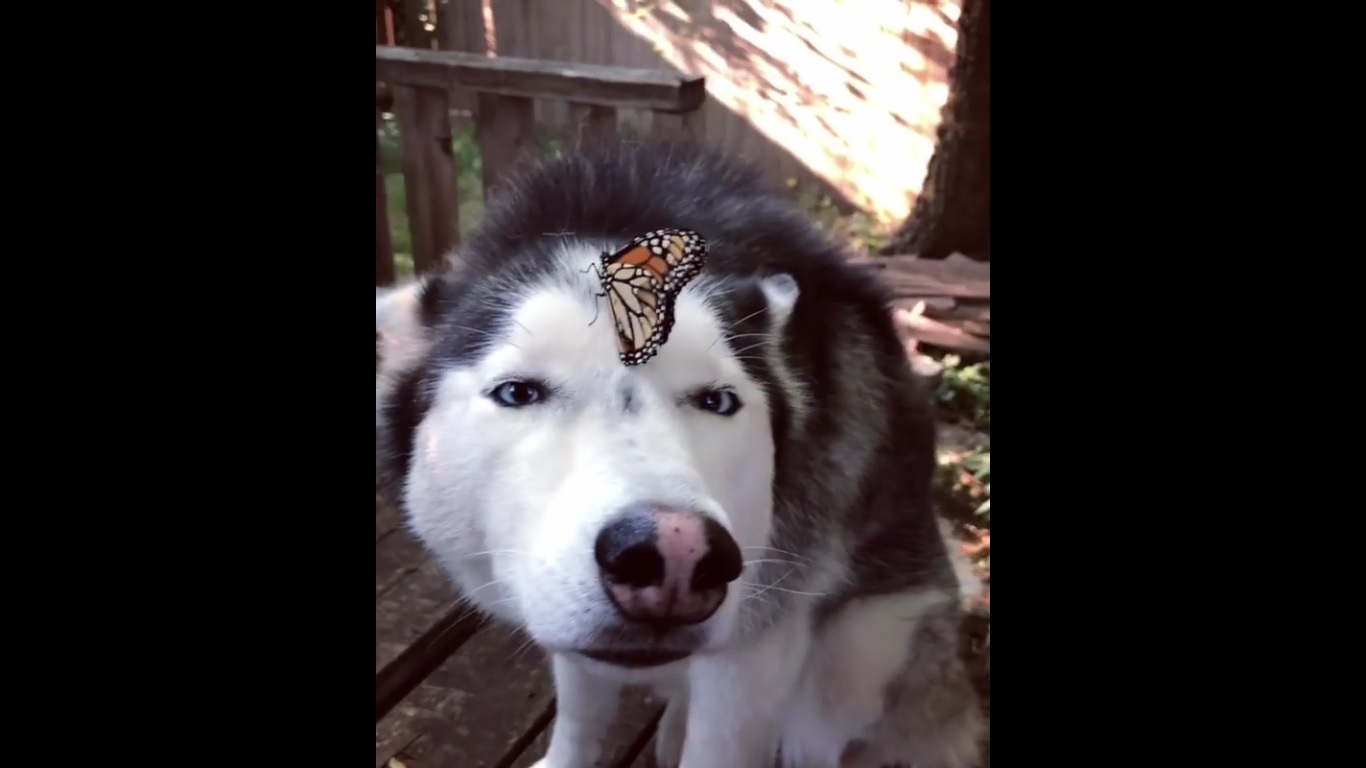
(837, 646)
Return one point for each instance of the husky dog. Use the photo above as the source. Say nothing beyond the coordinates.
(742, 522)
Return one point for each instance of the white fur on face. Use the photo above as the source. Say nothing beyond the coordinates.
(512, 499)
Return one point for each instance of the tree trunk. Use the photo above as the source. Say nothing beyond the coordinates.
(953, 212)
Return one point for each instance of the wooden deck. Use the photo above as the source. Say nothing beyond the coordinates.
(453, 691)
(956, 293)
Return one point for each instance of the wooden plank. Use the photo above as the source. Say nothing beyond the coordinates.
(955, 267)
(646, 758)
(415, 23)
(428, 172)
(507, 135)
(960, 311)
(909, 277)
(635, 732)
(939, 334)
(434, 110)
(460, 27)
(384, 244)
(473, 708)
(416, 192)
(632, 731)
(621, 87)
(419, 618)
(387, 519)
(974, 327)
(932, 304)
(509, 713)
(682, 127)
(411, 594)
(975, 320)
(596, 122)
(906, 284)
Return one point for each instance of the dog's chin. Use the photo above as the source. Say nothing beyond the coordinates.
(631, 647)
(634, 658)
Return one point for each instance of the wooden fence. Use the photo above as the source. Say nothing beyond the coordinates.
(416, 85)
(832, 97)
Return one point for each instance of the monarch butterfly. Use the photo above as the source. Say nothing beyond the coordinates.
(641, 282)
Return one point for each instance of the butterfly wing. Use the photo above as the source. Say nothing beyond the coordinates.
(642, 280)
(640, 313)
(677, 255)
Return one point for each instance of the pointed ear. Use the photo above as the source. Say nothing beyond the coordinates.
(781, 293)
(404, 315)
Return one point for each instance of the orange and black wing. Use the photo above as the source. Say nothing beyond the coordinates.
(676, 254)
(641, 311)
(642, 280)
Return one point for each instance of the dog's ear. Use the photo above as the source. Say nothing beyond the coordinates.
(399, 330)
(781, 292)
(404, 316)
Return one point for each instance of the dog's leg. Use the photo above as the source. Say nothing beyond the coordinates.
(673, 725)
(738, 699)
(585, 708)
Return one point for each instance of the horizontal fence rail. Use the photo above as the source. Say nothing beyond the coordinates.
(415, 85)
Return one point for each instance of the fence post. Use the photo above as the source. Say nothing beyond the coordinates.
(384, 244)
(429, 172)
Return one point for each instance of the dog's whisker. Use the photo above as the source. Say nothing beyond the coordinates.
(796, 592)
(733, 325)
(748, 563)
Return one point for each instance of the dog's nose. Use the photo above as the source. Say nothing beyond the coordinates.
(666, 566)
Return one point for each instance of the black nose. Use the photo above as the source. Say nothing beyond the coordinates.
(627, 553)
(722, 563)
(628, 550)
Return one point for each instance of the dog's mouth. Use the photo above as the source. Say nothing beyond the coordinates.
(634, 657)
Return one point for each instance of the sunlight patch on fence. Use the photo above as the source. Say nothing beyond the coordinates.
(853, 88)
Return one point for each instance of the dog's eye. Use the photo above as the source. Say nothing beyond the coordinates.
(721, 402)
(518, 394)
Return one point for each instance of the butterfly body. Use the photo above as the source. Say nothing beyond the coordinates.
(641, 282)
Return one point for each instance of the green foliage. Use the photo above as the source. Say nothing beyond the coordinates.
(857, 229)
(963, 482)
(978, 465)
(965, 394)
(469, 186)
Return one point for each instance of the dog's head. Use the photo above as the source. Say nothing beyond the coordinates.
(606, 509)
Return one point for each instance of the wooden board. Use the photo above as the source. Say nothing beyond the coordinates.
(957, 278)
(622, 87)
(955, 267)
(954, 336)
(473, 708)
(627, 741)
(420, 620)
(956, 293)
(411, 595)
(507, 136)
(491, 705)
(956, 310)
(907, 284)
(387, 519)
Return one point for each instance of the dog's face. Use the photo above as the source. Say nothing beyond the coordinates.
(532, 447)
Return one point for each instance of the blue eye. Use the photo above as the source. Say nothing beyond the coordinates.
(721, 402)
(518, 394)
